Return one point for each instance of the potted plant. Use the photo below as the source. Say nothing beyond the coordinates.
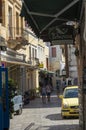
(32, 94)
(12, 89)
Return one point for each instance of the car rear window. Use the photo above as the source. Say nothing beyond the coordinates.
(71, 93)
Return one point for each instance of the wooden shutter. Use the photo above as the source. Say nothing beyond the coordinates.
(53, 51)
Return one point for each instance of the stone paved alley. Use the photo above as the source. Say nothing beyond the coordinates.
(38, 116)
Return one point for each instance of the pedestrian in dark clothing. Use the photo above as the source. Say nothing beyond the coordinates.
(48, 91)
(63, 84)
(57, 88)
(43, 93)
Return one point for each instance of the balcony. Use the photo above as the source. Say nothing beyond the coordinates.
(16, 38)
(34, 62)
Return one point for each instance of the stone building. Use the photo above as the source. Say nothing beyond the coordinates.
(21, 56)
(51, 30)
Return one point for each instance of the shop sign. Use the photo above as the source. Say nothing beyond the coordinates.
(61, 34)
(41, 65)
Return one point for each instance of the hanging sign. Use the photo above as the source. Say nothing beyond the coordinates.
(61, 34)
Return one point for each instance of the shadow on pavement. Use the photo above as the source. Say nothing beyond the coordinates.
(53, 127)
(58, 117)
(37, 103)
(61, 127)
(54, 116)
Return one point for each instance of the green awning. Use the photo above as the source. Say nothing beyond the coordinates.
(42, 15)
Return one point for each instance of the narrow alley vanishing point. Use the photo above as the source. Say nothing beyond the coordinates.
(38, 116)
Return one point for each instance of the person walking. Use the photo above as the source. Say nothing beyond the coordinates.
(63, 84)
(57, 88)
(48, 92)
(43, 93)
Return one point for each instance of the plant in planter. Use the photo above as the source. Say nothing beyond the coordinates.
(32, 94)
(12, 89)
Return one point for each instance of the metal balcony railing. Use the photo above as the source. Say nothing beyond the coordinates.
(33, 61)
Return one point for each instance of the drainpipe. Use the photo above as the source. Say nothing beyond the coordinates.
(66, 61)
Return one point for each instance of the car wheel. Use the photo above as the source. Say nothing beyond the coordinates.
(19, 112)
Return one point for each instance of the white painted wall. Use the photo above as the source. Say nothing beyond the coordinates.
(72, 61)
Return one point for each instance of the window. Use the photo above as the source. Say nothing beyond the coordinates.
(21, 26)
(71, 93)
(30, 53)
(47, 63)
(10, 21)
(35, 53)
(53, 51)
(17, 23)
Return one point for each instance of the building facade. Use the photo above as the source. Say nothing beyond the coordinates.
(72, 62)
(56, 62)
(23, 54)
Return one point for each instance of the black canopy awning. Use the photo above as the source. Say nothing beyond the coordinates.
(43, 15)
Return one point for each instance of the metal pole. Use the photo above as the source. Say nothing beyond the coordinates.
(66, 60)
(0, 56)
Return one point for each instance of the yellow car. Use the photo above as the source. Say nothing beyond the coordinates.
(70, 102)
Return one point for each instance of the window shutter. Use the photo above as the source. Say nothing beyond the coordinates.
(53, 51)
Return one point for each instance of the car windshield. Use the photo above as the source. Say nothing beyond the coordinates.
(71, 93)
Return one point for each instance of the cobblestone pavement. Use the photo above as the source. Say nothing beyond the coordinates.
(38, 116)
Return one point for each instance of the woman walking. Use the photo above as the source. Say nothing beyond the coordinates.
(48, 91)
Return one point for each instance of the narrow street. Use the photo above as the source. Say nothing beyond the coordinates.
(38, 116)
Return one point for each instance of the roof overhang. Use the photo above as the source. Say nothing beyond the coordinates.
(43, 15)
(17, 63)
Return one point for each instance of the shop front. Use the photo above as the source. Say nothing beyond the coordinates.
(17, 67)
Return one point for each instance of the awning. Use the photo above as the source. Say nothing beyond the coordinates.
(46, 71)
(16, 62)
(43, 15)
